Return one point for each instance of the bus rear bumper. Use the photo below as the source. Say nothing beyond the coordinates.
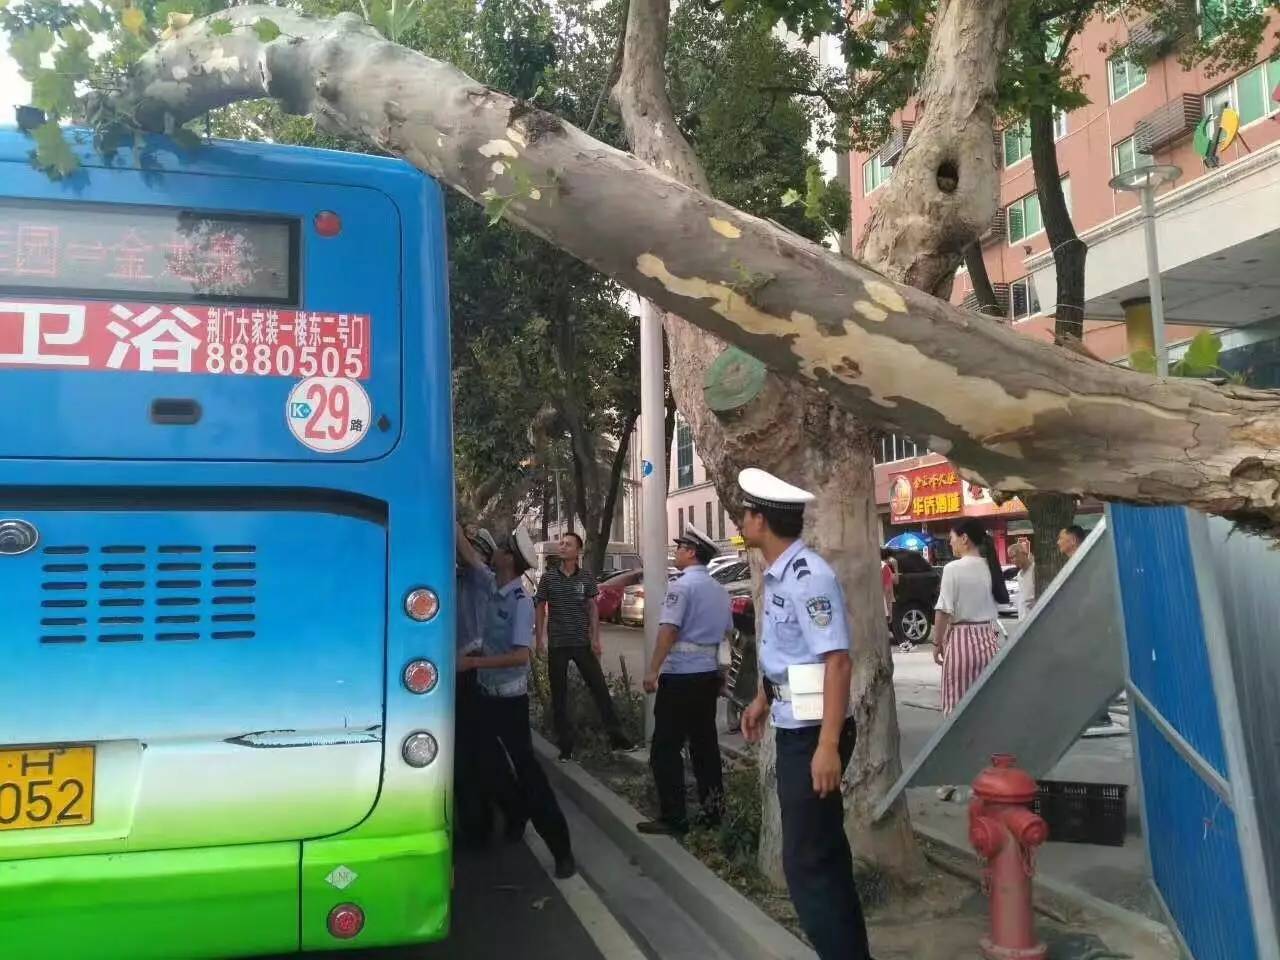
(222, 902)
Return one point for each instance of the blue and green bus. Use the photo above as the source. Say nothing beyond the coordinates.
(226, 555)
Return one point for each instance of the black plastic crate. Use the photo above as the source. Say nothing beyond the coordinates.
(1083, 812)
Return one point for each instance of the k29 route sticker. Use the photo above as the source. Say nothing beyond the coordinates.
(328, 414)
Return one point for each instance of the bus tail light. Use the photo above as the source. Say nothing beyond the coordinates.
(419, 749)
(420, 676)
(346, 920)
(328, 223)
(422, 604)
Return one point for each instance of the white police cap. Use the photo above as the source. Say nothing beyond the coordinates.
(521, 544)
(762, 489)
(485, 542)
(702, 544)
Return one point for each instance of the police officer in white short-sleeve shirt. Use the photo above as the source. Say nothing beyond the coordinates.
(685, 675)
(805, 669)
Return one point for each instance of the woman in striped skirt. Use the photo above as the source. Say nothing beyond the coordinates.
(966, 635)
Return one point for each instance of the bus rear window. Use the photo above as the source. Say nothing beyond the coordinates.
(69, 250)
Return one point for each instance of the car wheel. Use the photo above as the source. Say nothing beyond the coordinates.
(912, 624)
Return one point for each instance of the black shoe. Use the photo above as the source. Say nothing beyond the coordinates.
(566, 756)
(662, 828)
(565, 867)
(621, 743)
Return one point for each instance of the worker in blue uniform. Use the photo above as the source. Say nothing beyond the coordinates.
(482, 777)
(502, 666)
(805, 670)
(685, 674)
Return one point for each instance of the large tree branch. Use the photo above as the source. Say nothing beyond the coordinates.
(1042, 418)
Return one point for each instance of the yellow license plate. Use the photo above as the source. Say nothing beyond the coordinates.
(46, 787)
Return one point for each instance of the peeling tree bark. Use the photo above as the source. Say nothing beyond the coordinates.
(1043, 418)
(795, 431)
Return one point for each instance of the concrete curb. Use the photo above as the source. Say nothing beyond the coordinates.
(741, 928)
(1080, 899)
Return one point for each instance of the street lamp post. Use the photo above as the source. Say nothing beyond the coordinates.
(1145, 181)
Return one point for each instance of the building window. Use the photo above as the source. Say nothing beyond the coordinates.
(1126, 156)
(707, 528)
(1249, 94)
(1059, 125)
(1017, 144)
(680, 521)
(1023, 217)
(1126, 77)
(684, 454)
(720, 529)
(875, 175)
(1023, 302)
(892, 447)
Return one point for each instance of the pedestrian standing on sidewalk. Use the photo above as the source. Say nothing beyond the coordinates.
(569, 632)
(1026, 564)
(966, 637)
(503, 676)
(685, 675)
(888, 589)
(481, 775)
(805, 670)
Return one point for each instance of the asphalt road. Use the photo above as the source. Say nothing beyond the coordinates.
(505, 908)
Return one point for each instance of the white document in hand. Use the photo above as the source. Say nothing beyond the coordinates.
(805, 681)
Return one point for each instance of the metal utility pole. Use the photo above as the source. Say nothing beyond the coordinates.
(653, 484)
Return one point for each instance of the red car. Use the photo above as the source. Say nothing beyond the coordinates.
(609, 599)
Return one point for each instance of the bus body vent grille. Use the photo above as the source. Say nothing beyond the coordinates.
(137, 593)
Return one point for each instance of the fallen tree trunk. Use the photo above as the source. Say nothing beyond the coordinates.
(1014, 413)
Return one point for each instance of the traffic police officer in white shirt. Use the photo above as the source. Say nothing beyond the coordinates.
(685, 674)
(805, 669)
(503, 668)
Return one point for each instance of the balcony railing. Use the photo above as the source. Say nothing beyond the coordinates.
(891, 152)
(1166, 125)
(970, 302)
(998, 230)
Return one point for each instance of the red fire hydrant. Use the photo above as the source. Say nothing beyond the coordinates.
(1005, 833)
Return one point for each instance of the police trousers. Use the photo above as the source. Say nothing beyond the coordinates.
(482, 776)
(685, 710)
(508, 719)
(815, 852)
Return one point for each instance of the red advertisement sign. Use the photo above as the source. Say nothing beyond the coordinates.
(169, 338)
(926, 493)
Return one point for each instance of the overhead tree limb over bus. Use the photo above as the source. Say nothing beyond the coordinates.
(1016, 413)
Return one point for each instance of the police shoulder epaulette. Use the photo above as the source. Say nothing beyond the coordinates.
(801, 567)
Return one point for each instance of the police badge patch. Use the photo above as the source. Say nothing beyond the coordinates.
(672, 599)
(819, 611)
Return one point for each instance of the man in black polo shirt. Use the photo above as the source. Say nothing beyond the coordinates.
(569, 623)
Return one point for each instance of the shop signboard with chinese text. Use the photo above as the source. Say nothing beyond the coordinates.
(926, 493)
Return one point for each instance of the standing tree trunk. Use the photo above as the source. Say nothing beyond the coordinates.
(794, 431)
(1050, 512)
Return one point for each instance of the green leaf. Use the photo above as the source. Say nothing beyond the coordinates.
(27, 47)
(53, 92)
(495, 207)
(267, 30)
(1144, 361)
(791, 198)
(220, 27)
(1203, 354)
(92, 18)
(53, 154)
